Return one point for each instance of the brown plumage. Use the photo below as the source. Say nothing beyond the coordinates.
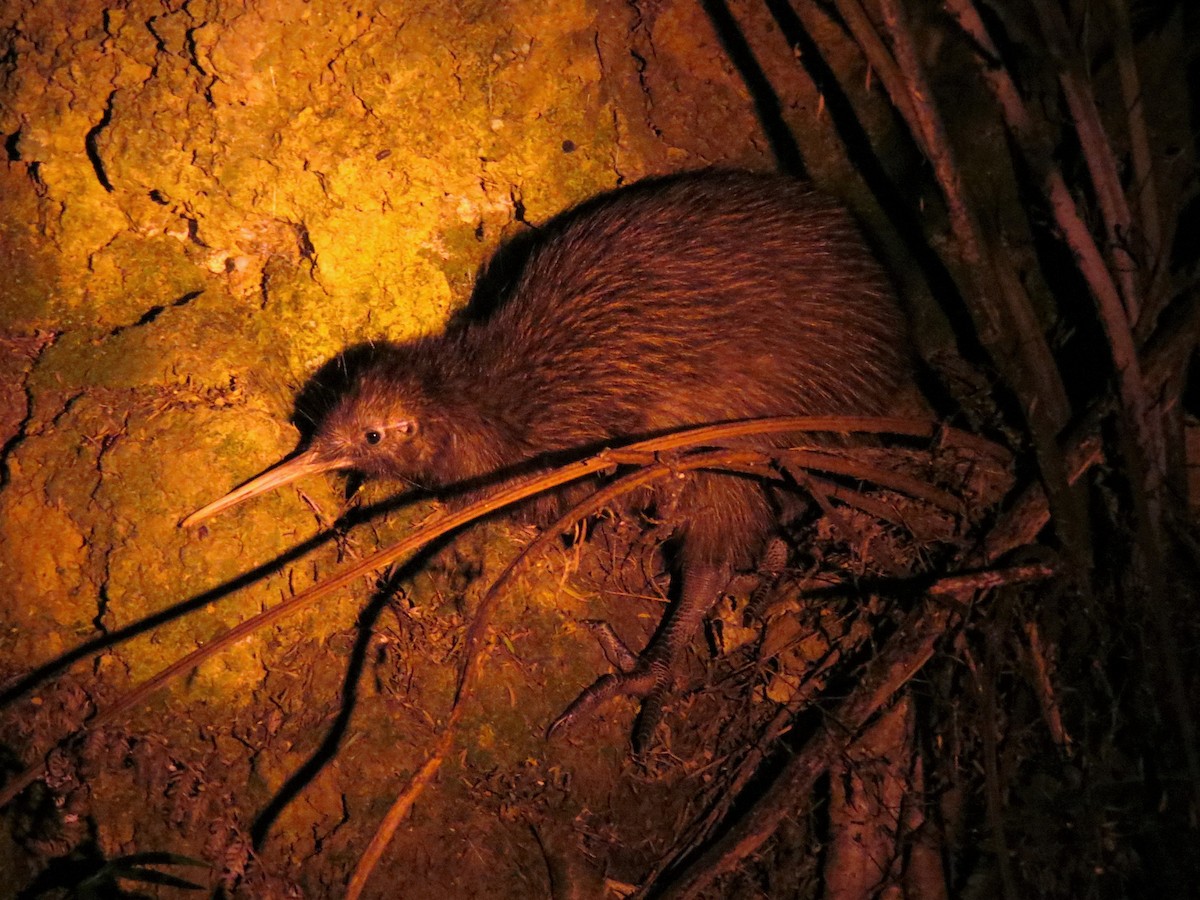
(693, 299)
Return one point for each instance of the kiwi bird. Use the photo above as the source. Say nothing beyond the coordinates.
(694, 299)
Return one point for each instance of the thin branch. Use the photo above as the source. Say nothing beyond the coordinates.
(994, 294)
(1144, 183)
(1040, 666)
(1144, 450)
(1074, 230)
(880, 60)
(1097, 154)
(880, 509)
(907, 484)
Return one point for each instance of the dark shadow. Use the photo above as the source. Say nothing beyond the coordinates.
(87, 874)
(90, 649)
(498, 277)
(861, 154)
(766, 102)
(327, 750)
(69, 875)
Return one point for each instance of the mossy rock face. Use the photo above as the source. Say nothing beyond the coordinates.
(205, 203)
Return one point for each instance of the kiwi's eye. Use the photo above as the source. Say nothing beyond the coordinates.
(372, 436)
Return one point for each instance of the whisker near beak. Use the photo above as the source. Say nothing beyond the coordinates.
(307, 463)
